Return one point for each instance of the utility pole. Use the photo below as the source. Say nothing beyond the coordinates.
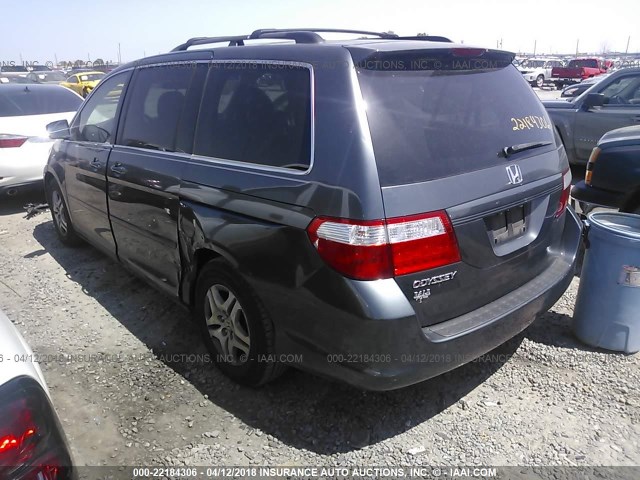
(119, 54)
(626, 51)
(577, 43)
(55, 56)
(535, 44)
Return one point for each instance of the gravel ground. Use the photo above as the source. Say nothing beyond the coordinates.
(129, 394)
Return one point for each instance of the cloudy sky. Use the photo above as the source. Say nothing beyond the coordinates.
(43, 30)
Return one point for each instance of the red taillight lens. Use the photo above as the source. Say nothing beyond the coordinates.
(32, 445)
(12, 141)
(566, 193)
(371, 250)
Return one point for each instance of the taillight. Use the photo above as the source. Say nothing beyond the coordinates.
(32, 445)
(371, 250)
(12, 141)
(590, 164)
(566, 193)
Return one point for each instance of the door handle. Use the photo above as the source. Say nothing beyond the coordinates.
(118, 169)
(95, 163)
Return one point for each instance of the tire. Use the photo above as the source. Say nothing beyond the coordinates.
(60, 215)
(559, 85)
(85, 93)
(235, 326)
(540, 81)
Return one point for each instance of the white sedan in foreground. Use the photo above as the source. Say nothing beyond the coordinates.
(25, 111)
(32, 443)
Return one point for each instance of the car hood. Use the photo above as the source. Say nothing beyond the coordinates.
(621, 137)
(558, 105)
(32, 125)
(16, 355)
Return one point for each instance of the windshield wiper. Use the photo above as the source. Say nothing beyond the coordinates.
(508, 151)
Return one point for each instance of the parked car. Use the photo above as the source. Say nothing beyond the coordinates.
(82, 83)
(612, 178)
(578, 70)
(537, 71)
(8, 71)
(571, 91)
(25, 111)
(32, 442)
(326, 218)
(53, 76)
(609, 104)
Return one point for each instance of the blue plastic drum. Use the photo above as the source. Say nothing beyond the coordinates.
(607, 312)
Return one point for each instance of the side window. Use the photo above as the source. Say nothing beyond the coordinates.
(72, 79)
(157, 99)
(617, 87)
(96, 122)
(256, 113)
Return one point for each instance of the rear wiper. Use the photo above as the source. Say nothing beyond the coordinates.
(508, 151)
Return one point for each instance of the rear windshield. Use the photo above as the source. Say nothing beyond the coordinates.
(428, 124)
(584, 63)
(33, 101)
(13, 69)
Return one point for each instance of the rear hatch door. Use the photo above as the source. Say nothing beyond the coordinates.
(459, 130)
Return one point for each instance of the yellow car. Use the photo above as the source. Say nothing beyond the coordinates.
(83, 82)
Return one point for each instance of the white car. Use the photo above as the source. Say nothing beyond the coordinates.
(25, 111)
(32, 443)
(537, 71)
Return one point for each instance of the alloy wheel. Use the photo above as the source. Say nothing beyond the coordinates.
(227, 324)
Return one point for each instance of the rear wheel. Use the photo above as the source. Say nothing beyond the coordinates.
(540, 81)
(235, 326)
(60, 215)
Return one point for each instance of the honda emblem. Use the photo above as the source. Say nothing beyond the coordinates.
(515, 174)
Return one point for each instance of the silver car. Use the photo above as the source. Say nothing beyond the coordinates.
(32, 443)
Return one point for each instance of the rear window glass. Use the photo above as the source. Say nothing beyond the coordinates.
(429, 124)
(37, 101)
(584, 63)
(13, 69)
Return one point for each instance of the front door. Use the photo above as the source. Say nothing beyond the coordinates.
(622, 109)
(87, 153)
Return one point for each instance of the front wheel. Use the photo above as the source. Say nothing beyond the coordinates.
(60, 215)
(235, 326)
(540, 81)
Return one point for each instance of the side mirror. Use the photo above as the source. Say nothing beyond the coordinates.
(593, 100)
(59, 130)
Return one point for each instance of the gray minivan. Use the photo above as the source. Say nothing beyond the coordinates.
(377, 210)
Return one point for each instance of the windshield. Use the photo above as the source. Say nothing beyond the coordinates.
(535, 64)
(432, 124)
(91, 77)
(37, 101)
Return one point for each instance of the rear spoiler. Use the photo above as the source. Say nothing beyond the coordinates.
(447, 59)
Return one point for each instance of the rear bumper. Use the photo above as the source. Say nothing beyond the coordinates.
(15, 188)
(596, 196)
(385, 352)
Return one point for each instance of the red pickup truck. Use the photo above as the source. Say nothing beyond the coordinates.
(578, 70)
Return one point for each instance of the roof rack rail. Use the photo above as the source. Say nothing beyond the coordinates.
(299, 35)
(427, 38)
(261, 33)
(233, 40)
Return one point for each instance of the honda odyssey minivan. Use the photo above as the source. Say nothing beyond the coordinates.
(377, 210)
